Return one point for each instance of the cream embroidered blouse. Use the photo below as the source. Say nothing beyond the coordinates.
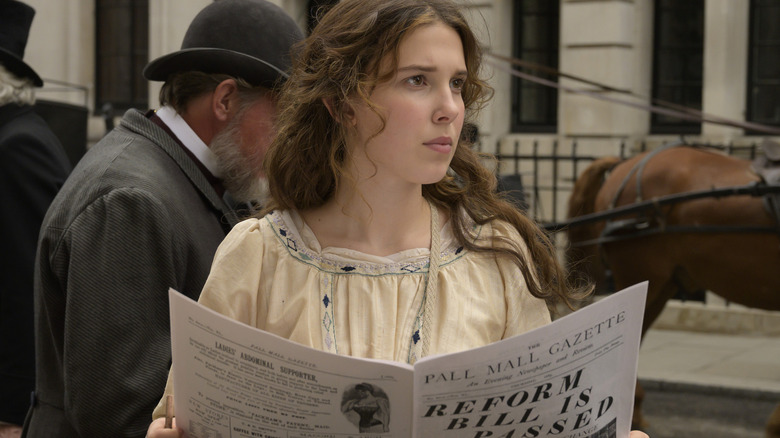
(271, 273)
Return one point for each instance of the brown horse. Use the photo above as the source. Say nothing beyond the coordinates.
(659, 243)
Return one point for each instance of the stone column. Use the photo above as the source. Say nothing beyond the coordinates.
(61, 48)
(609, 42)
(492, 23)
(726, 37)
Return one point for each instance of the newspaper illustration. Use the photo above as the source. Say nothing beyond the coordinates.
(573, 378)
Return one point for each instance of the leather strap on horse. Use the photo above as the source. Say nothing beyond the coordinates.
(706, 229)
(639, 169)
(660, 107)
(752, 189)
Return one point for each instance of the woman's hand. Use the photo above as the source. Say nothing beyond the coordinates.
(157, 430)
(638, 434)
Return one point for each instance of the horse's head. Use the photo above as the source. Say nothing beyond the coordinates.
(583, 259)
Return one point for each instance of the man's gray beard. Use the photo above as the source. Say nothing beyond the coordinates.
(239, 173)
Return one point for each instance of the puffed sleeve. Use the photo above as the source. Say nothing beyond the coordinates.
(233, 285)
(524, 312)
(109, 390)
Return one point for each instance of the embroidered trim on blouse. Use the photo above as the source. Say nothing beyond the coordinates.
(304, 254)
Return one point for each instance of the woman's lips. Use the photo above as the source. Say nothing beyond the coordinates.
(440, 144)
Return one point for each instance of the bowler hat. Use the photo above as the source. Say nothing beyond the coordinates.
(15, 20)
(247, 39)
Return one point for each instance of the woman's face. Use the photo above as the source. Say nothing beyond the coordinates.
(423, 109)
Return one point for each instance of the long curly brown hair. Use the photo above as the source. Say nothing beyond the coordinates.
(340, 61)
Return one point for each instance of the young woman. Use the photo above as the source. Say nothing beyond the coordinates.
(385, 238)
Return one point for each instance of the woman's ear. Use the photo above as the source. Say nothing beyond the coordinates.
(345, 116)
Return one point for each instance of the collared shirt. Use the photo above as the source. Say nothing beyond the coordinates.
(189, 139)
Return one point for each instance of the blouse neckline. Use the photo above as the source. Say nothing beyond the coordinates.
(300, 241)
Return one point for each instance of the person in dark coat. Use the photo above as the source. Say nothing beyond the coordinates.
(33, 167)
(144, 211)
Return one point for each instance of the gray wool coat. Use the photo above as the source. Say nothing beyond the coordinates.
(135, 217)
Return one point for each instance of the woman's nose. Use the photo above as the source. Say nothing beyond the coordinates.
(449, 106)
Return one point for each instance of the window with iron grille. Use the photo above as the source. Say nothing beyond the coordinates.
(763, 97)
(678, 51)
(121, 52)
(535, 39)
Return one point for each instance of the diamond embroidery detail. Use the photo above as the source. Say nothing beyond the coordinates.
(326, 301)
(329, 341)
(416, 336)
(327, 322)
(303, 253)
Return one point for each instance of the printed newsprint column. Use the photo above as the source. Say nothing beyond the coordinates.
(233, 380)
(572, 378)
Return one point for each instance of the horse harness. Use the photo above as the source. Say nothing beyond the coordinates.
(767, 167)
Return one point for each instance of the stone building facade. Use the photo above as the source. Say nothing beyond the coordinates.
(611, 42)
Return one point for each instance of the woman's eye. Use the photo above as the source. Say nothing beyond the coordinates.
(416, 80)
(457, 83)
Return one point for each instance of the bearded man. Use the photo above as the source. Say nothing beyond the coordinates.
(144, 210)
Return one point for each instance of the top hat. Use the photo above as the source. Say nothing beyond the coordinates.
(247, 39)
(15, 20)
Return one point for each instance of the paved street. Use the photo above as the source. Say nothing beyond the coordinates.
(709, 385)
(679, 412)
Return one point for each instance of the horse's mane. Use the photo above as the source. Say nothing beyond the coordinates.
(583, 195)
(583, 262)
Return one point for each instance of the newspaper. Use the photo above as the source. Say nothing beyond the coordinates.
(574, 378)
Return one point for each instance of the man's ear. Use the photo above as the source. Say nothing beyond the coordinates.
(224, 99)
(348, 115)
